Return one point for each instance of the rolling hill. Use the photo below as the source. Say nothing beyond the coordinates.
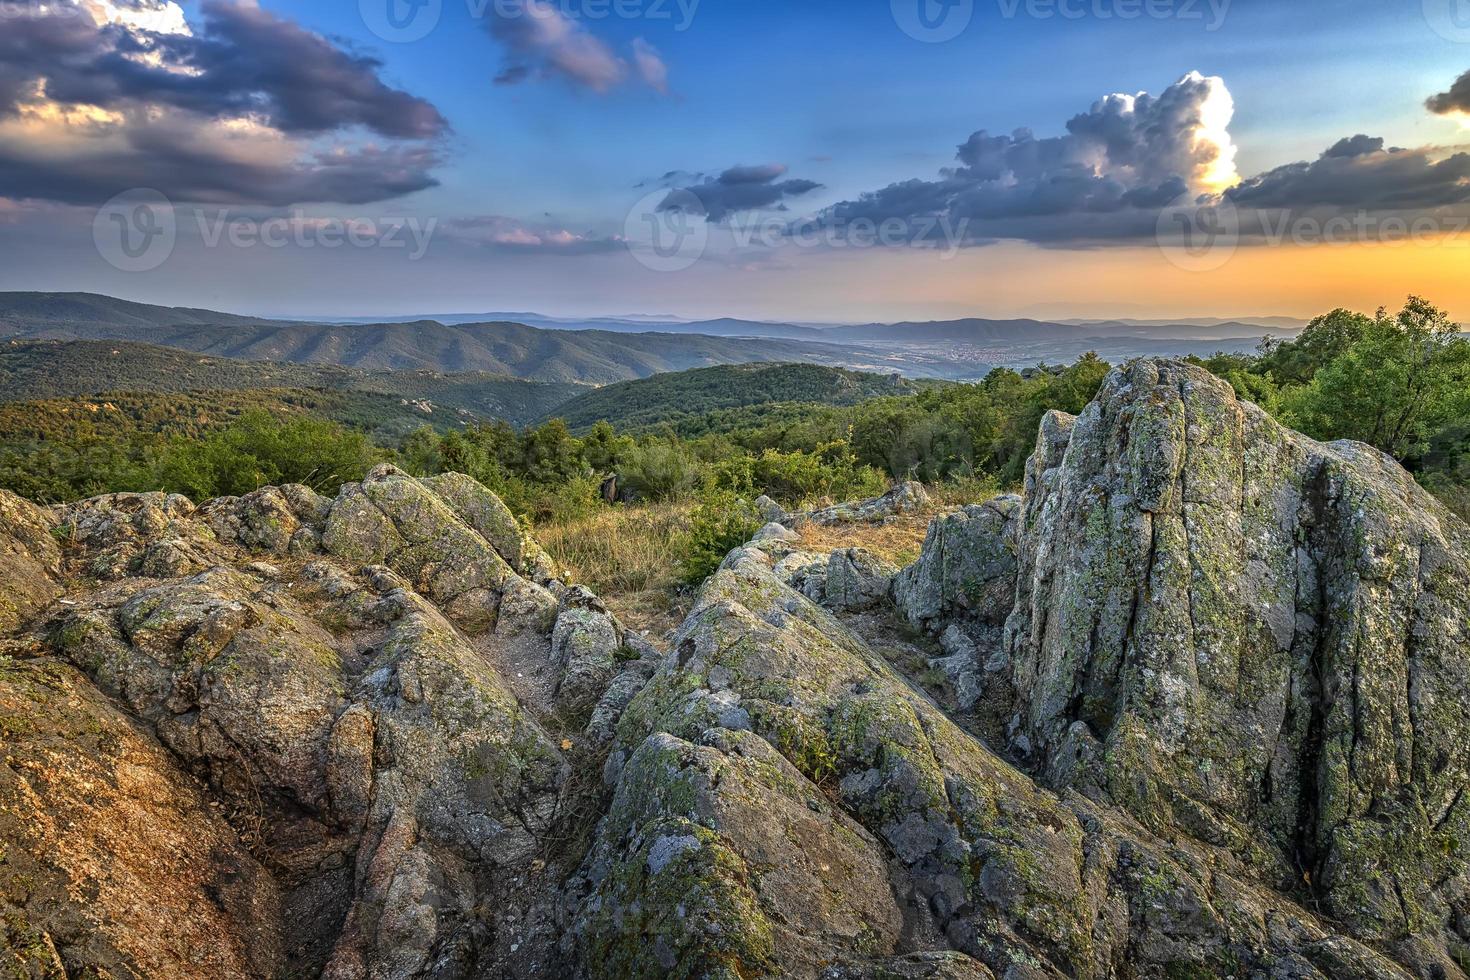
(33, 370)
(565, 356)
(668, 399)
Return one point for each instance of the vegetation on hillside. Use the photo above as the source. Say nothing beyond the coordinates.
(681, 401)
(49, 370)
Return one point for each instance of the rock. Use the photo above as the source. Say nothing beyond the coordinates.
(1231, 630)
(1272, 646)
(585, 644)
(966, 571)
(906, 498)
(1021, 881)
(770, 511)
(30, 560)
(492, 520)
(123, 532)
(719, 853)
(283, 520)
(856, 580)
(775, 532)
(112, 860)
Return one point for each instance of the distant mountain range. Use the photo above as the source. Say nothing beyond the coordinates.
(606, 351)
(967, 329)
(512, 349)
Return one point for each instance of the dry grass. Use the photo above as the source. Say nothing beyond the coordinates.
(901, 539)
(898, 541)
(629, 556)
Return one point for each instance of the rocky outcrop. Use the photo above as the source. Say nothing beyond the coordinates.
(1239, 634)
(321, 754)
(766, 689)
(1193, 705)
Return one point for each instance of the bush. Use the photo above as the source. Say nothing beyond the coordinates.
(261, 450)
(658, 471)
(795, 478)
(721, 523)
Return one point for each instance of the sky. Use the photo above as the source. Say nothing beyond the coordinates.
(811, 160)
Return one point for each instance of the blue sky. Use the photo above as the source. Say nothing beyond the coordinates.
(528, 183)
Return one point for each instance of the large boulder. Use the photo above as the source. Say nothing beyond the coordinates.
(325, 757)
(113, 862)
(1239, 633)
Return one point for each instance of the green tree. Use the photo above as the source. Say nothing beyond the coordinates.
(1325, 339)
(1403, 378)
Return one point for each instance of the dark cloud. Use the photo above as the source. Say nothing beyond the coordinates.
(1118, 164)
(172, 162)
(245, 60)
(1359, 174)
(1354, 146)
(1457, 99)
(542, 41)
(741, 188)
(238, 111)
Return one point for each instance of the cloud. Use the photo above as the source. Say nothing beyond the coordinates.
(650, 65)
(1359, 174)
(246, 61)
(1454, 101)
(542, 41)
(741, 188)
(104, 95)
(510, 234)
(1118, 163)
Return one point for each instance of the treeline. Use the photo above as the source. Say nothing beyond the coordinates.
(795, 454)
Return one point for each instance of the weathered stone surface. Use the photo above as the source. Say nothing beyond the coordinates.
(112, 861)
(997, 869)
(30, 560)
(856, 580)
(586, 644)
(967, 570)
(285, 520)
(1266, 642)
(720, 859)
(330, 717)
(492, 520)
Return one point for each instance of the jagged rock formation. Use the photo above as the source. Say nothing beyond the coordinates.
(1207, 700)
(1238, 634)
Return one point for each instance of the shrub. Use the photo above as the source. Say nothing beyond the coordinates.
(659, 471)
(720, 523)
(260, 450)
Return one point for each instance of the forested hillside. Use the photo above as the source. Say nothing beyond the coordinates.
(55, 369)
(676, 399)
